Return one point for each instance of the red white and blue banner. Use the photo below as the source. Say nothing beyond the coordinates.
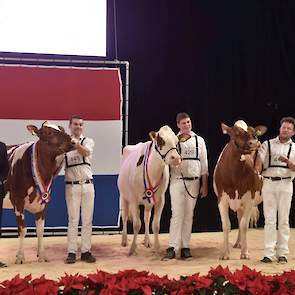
(33, 94)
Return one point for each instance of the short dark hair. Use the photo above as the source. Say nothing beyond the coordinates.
(290, 120)
(75, 117)
(181, 116)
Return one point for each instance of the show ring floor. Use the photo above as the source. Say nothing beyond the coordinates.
(112, 257)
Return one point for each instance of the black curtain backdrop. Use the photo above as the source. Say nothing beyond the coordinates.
(217, 60)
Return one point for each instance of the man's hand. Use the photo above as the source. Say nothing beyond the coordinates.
(82, 150)
(283, 159)
(290, 164)
(75, 142)
(204, 191)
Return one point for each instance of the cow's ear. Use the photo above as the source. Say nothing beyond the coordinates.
(33, 129)
(160, 141)
(260, 130)
(153, 135)
(183, 137)
(226, 129)
(61, 129)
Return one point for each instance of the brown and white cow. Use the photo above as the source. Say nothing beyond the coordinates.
(236, 183)
(143, 180)
(32, 169)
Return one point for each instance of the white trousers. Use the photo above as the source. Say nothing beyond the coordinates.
(182, 206)
(80, 198)
(277, 196)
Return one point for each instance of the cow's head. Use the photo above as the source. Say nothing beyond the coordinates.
(244, 137)
(166, 144)
(53, 136)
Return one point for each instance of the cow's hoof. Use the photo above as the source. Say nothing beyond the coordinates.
(147, 243)
(224, 257)
(124, 243)
(245, 256)
(132, 250)
(157, 248)
(237, 246)
(131, 253)
(43, 259)
(20, 260)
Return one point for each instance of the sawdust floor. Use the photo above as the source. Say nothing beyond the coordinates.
(111, 257)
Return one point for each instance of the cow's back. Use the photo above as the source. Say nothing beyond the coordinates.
(20, 175)
(222, 176)
(130, 180)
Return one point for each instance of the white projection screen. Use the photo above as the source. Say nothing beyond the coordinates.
(65, 27)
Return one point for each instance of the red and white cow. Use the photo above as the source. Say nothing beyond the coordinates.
(143, 180)
(236, 183)
(32, 169)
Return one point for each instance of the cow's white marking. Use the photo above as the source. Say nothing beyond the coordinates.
(6, 202)
(235, 203)
(50, 125)
(242, 124)
(17, 213)
(30, 190)
(35, 206)
(243, 158)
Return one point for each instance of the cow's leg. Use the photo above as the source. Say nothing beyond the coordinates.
(124, 213)
(40, 232)
(136, 226)
(244, 224)
(254, 217)
(147, 218)
(158, 208)
(238, 242)
(223, 209)
(22, 231)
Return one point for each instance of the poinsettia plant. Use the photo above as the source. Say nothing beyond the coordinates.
(219, 280)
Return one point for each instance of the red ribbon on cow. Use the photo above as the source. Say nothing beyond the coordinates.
(43, 188)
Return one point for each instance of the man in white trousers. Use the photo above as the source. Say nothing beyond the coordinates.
(79, 192)
(276, 160)
(185, 188)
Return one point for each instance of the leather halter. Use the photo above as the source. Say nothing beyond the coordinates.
(164, 156)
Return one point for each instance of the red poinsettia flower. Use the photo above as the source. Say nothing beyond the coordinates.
(220, 271)
(43, 286)
(147, 290)
(203, 283)
(18, 285)
(72, 282)
(98, 278)
(290, 275)
(244, 281)
(260, 285)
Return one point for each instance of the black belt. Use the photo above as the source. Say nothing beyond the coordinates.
(80, 181)
(276, 178)
(189, 178)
